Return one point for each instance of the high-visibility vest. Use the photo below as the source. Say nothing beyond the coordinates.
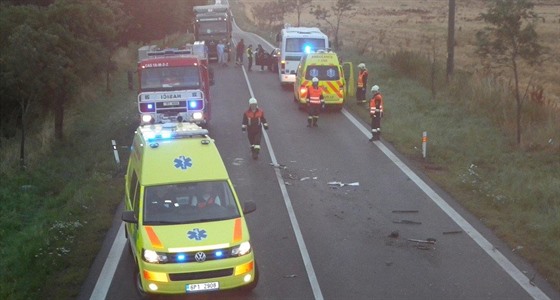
(314, 95)
(254, 117)
(361, 78)
(376, 104)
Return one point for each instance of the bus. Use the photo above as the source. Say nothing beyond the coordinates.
(293, 43)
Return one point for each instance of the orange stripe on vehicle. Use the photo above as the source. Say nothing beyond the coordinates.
(156, 243)
(334, 89)
(237, 230)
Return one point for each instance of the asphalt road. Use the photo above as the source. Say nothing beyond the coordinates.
(313, 241)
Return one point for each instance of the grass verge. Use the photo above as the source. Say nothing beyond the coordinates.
(56, 213)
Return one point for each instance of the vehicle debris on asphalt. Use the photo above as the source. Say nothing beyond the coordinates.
(337, 184)
(407, 222)
(404, 211)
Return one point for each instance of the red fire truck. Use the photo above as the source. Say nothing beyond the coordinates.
(174, 85)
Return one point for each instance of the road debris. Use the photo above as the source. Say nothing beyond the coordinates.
(287, 183)
(404, 211)
(279, 166)
(394, 234)
(453, 232)
(407, 222)
(290, 276)
(237, 161)
(426, 241)
(341, 184)
(304, 178)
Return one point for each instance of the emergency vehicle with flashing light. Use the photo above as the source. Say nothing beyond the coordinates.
(174, 85)
(326, 66)
(185, 225)
(294, 42)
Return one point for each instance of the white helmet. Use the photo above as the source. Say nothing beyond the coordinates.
(252, 101)
(315, 79)
(362, 66)
(375, 88)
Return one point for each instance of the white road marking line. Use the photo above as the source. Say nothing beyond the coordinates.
(297, 231)
(107, 273)
(502, 261)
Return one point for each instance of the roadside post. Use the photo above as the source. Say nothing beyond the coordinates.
(424, 143)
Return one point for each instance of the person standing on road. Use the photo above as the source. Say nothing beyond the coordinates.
(376, 113)
(249, 57)
(253, 121)
(361, 85)
(315, 102)
(239, 52)
(220, 48)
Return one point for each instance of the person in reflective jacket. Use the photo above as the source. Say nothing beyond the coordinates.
(253, 121)
(315, 102)
(361, 85)
(376, 113)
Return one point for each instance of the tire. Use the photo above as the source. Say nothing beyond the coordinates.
(138, 283)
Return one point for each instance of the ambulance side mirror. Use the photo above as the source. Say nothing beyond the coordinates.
(249, 207)
(129, 217)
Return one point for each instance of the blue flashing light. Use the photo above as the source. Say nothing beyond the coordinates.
(196, 104)
(307, 49)
(166, 134)
(219, 253)
(150, 106)
(181, 257)
(149, 135)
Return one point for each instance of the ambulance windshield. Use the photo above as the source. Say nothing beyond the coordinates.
(170, 78)
(189, 203)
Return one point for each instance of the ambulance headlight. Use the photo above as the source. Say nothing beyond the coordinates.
(147, 118)
(242, 249)
(197, 115)
(154, 257)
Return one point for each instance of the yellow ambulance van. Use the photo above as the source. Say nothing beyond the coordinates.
(184, 223)
(326, 66)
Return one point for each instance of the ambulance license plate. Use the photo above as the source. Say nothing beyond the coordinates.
(175, 103)
(198, 287)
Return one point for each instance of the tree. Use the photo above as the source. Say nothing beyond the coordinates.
(510, 38)
(269, 13)
(298, 6)
(339, 9)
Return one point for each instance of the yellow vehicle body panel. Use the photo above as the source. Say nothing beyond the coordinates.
(327, 68)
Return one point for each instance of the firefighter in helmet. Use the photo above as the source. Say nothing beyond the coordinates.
(253, 121)
(375, 112)
(315, 102)
(361, 86)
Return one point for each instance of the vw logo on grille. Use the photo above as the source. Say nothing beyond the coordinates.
(200, 256)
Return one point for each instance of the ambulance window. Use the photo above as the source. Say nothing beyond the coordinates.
(327, 73)
(133, 189)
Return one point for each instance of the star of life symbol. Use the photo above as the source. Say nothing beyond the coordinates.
(331, 73)
(314, 72)
(183, 162)
(197, 234)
